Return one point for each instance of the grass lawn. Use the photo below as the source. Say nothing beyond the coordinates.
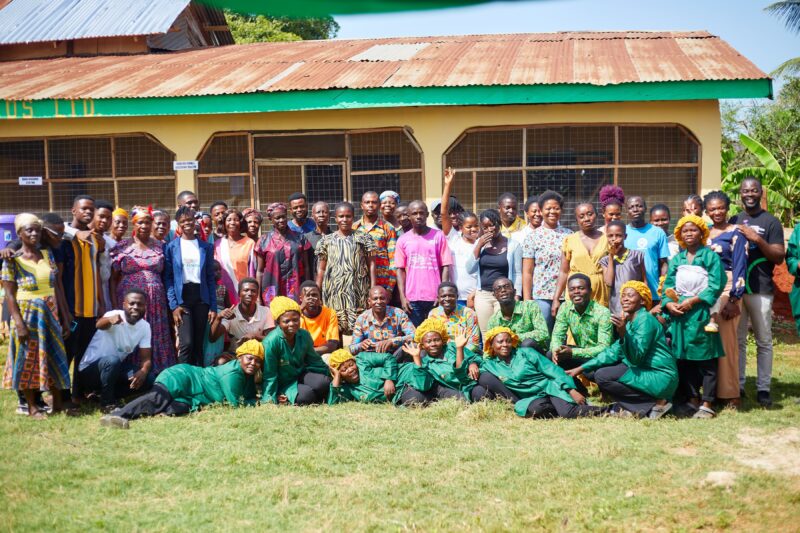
(447, 467)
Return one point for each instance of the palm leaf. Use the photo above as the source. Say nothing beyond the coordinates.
(787, 68)
(763, 155)
(788, 11)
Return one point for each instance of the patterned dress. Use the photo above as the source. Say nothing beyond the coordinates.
(283, 264)
(385, 238)
(543, 245)
(345, 286)
(42, 362)
(142, 269)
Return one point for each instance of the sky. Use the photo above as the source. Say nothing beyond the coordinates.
(760, 37)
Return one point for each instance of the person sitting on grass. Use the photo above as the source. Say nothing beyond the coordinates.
(320, 321)
(440, 369)
(695, 280)
(293, 372)
(588, 322)
(106, 364)
(537, 387)
(638, 371)
(368, 377)
(381, 328)
(523, 318)
(184, 388)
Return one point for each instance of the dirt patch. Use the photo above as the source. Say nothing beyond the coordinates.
(721, 479)
(777, 452)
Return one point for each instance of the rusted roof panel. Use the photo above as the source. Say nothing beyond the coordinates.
(597, 58)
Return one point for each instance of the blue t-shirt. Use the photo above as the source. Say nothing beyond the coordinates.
(652, 242)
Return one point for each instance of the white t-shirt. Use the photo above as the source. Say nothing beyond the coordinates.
(461, 251)
(119, 340)
(190, 256)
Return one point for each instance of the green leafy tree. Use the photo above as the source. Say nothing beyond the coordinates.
(782, 183)
(259, 28)
(789, 11)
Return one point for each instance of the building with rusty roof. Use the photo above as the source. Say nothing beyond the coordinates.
(250, 124)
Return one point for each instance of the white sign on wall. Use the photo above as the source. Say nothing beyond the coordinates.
(30, 180)
(184, 165)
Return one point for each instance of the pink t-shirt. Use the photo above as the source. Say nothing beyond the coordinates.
(422, 256)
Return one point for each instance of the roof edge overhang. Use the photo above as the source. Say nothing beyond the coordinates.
(385, 97)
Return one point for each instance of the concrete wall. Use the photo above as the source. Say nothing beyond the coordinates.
(435, 128)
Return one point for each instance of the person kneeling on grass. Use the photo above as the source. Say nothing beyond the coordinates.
(638, 371)
(184, 388)
(440, 369)
(538, 387)
(368, 377)
(294, 373)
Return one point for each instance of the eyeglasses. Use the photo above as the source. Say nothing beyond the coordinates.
(54, 233)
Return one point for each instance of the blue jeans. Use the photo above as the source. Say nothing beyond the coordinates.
(419, 311)
(546, 306)
(112, 377)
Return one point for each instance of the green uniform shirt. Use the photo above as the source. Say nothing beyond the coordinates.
(439, 370)
(530, 376)
(373, 370)
(592, 330)
(793, 264)
(284, 364)
(198, 386)
(689, 339)
(526, 321)
(652, 368)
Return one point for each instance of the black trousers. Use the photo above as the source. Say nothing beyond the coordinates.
(568, 363)
(496, 388)
(412, 396)
(157, 401)
(607, 379)
(548, 407)
(694, 375)
(312, 388)
(76, 345)
(193, 328)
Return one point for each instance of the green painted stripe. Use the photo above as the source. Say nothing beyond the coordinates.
(321, 8)
(386, 97)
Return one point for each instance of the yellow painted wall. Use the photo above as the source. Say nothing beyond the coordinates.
(435, 128)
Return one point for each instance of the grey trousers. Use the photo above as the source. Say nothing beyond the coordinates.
(757, 313)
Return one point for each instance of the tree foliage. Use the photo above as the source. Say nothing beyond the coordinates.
(789, 12)
(259, 28)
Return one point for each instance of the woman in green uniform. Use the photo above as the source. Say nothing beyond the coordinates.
(695, 280)
(367, 378)
(538, 387)
(440, 369)
(184, 388)
(638, 371)
(294, 373)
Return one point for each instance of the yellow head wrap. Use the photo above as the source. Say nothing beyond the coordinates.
(119, 212)
(252, 347)
(25, 219)
(431, 325)
(494, 332)
(642, 289)
(280, 305)
(697, 221)
(338, 357)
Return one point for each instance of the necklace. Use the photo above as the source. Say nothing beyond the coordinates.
(622, 259)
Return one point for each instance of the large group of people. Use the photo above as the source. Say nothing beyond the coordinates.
(332, 304)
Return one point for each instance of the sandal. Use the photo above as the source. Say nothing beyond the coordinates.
(659, 410)
(704, 412)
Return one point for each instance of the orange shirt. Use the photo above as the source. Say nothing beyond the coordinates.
(323, 327)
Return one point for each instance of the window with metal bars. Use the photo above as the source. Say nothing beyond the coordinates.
(326, 166)
(125, 169)
(660, 162)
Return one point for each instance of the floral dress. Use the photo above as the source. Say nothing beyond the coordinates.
(543, 245)
(283, 264)
(41, 363)
(142, 269)
(345, 286)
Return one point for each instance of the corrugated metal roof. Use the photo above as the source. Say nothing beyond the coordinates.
(31, 21)
(595, 58)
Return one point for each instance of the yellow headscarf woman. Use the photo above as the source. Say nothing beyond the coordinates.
(431, 325)
(642, 289)
(494, 332)
(281, 305)
(251, 347)
(697, 221)
(339, 357)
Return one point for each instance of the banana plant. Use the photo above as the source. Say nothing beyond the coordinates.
(782, 185)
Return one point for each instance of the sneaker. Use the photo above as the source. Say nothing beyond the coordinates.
(22, 408)
(114, 421)
(704, 412)
(764, 398)
(659, 410)
(711, 327)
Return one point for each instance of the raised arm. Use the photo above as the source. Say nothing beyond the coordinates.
(449, 177)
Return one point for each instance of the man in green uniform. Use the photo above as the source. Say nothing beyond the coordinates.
(180, 389)
(368, 377)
